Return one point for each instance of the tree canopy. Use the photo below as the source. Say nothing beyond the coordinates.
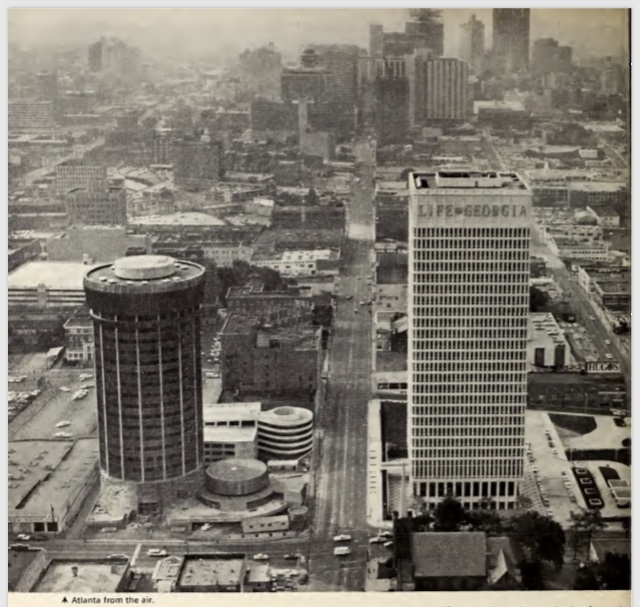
(449, 515)
(540, 537)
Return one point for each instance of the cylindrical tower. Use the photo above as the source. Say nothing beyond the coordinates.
(146, 317)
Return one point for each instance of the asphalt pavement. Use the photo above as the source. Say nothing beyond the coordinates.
(340, 505)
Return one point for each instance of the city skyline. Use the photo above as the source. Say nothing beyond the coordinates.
(596, 32)
(289, 314)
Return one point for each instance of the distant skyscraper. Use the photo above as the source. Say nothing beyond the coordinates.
(48, 86)
(95, 56)
(440, 89)
(548, 57)
(146, 318)
(427, 34)
(511, 27)
(341, 61)
(472, 43)
(391, 92)
(469, 305)
(310, 81)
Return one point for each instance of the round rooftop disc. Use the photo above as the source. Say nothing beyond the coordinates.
(144, 267)
(237, 477)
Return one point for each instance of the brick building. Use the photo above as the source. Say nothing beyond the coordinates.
(267, 359)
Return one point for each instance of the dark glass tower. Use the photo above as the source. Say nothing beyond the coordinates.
(146, 315)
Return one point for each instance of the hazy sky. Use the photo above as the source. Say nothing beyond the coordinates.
(228, 31)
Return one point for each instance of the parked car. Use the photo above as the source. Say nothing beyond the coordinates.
(377, 540)
(342, 551)
(157, 552)
(342, 538)
(260, 557)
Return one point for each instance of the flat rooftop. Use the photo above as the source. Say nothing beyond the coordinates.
(18, 562)
(476, 180)
(205, 571)
(391, 361)
(93, 576)
(44, 473)
(140, 271)
(597, 186)
(221, 412)
(180, 219)
(54, 275)
(229, 434)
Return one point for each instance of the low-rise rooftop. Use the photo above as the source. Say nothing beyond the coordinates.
(180, 219)
(43, 475)
(92, 576)
(62, 276)
(456, 554)
(229, 434)
(209, 570)
(222, 413)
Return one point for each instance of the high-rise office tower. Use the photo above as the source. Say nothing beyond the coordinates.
(440, 89)
(472, 43)
(146, 318)
(469, 305)
(511, 27)
(391, 91)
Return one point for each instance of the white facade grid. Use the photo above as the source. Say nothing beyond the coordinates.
(468, 313)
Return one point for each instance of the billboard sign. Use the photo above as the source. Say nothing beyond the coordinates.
(603, 367)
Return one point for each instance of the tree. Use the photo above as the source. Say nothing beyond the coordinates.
(538, 299)
(485, 520)
(614, 572)
(586, 579)
(531, 572)
(539, 537)
(523, 502)
(449, 514)
(583, 525)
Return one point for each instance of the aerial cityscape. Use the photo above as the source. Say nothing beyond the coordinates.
(296, 308)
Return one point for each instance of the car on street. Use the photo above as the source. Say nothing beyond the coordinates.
(342, 538)
(65, 389)
(554, 451)
(117, 557)
(157, 552)
(534, 470)
(19, 547)
(24, 537)
(377, 540)
(260, 557)
(342, 551)
(592, 317)
(291, 557)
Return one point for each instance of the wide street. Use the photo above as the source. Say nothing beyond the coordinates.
(584, 309)
(340, 505)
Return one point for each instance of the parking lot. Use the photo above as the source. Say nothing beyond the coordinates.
(549, 479)
(53, 406)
